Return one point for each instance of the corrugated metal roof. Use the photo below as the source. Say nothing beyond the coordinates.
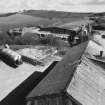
(88, 83)
(57, 80)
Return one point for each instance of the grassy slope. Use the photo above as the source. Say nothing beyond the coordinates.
(20, 18)
(39, 17)
(7, 14)
(59, 17)
(55, 14)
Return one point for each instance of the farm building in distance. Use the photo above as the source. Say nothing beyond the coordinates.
(58, 33)
(58, 30)
(71, 36)
(14, 32)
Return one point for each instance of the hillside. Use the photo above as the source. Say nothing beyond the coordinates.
(55, 14)
(7, 14)
(99, 14)
(38, 18)
(58, 18)
(74, 23)
(19, 18)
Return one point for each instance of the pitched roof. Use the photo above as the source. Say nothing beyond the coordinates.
(57, 79)
(58, 30)
(88, 83)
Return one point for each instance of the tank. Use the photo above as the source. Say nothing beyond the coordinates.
(10, 57)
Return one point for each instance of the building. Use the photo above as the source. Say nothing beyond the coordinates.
(30, 30)
(76, 80)
(16, 83)
(17, 96)
(58, 30)
(52, 90)
(55, 32)
(21, 31)
(15, 32)
(88, 83)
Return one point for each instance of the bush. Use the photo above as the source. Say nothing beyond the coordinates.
(30, 39)
(50, 40)
(4, 38)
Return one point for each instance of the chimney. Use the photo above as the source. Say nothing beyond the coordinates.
(101, 53)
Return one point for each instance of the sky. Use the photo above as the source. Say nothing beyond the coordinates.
(59, 5)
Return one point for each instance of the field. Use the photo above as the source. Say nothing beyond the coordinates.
(38, 17)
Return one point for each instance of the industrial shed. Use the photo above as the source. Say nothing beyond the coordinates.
(88, 83)
(52, 89)
(17, 96)
(58, 30)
